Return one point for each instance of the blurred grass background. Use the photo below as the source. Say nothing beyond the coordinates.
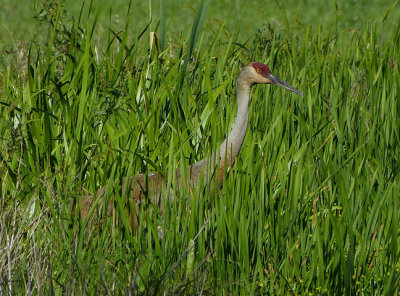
(311, 206)
(245, 17)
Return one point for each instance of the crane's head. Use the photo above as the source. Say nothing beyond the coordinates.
(258, 73)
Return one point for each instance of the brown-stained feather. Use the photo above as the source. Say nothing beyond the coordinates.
(141, 187)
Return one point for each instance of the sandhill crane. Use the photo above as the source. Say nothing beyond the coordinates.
(218, 164)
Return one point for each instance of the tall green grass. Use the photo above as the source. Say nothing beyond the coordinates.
(311, 205)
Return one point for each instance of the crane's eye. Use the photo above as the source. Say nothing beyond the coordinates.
(258, 70)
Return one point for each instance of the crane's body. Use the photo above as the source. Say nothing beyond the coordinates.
(218, 164)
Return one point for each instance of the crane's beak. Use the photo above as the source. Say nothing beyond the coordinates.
(279, 82)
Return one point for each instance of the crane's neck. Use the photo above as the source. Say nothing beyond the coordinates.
(221, 161)
(230, 148)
